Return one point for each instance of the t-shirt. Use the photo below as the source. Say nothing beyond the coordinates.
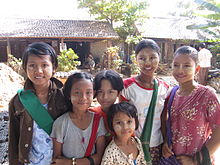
(141, 97)
(204, 56)
(74, 139)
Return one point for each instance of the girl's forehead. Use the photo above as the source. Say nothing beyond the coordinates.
(82, 83)
(39, 57)
(183, 58)
(147, 51)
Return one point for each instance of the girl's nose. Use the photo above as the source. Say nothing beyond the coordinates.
(39, 69)
(125, 126)
(83, 96)
(146, 61)
(105, 96)
(181, 69)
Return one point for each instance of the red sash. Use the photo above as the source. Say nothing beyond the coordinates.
(92, 139)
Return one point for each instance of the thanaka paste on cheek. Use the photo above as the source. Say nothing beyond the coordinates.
(117, 127)
(188, 70)
(73, 99)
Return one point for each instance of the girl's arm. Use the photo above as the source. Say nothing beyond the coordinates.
(100, 148)
(59, 159)
(14, 134)
(166, 151)
(214, 142)
(57, 148)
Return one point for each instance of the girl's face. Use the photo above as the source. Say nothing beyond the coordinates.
(81, 94)
(39, 69)
(184, 68)
(148, 61)
(106, 95)
(123, 125)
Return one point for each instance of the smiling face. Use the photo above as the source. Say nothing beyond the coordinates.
(81, 94)
(123, 125)
(148, 61)
(39, 69)
(106, 95)
(184, 68)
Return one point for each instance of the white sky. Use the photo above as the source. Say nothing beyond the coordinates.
(66, 9)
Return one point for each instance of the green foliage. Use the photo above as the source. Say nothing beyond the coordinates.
(133, 39)
(214, 46)
(213, 19)
(115, 58)
(123, 12)
(134, 65)
(14, 63)
(67, 60)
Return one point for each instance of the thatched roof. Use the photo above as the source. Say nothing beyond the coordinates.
(45, 28)
(171, 28)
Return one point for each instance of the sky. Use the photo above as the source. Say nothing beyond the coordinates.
(66, 9)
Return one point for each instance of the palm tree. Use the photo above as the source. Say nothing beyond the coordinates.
(212, 20)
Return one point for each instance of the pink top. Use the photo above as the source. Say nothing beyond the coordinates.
(192, 119)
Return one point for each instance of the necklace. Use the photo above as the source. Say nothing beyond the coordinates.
(144, 83)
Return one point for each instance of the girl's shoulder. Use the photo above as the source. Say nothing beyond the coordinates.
(163, 83)
(207, 90)
(129, 81)
(63, 117)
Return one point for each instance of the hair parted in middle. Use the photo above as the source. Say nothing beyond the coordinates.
(123, 107)
(70, 81)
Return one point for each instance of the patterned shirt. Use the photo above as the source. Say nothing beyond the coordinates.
(42, 146)
(114, 156)
(193, 118)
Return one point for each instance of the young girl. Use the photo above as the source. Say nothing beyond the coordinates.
(195, 113)
(72, 131)
(124, 149)
(141, 90)
(108, 86)
(29, 140)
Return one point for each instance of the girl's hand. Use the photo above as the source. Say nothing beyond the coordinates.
(166, 151)
(185, 160)
(61, 160)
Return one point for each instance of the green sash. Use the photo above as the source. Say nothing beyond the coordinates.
(36, 110)
(146, 133)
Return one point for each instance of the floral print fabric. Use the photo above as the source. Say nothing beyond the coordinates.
(192, 119)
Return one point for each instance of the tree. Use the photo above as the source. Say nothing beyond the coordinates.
(123, 12)
(213, 18)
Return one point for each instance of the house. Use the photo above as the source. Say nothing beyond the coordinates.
(83, 36)
(171, 33)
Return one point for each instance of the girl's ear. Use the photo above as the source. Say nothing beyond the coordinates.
(197, 69)
(119, 94)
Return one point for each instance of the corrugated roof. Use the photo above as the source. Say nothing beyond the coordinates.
(171, 28)
(45, 28)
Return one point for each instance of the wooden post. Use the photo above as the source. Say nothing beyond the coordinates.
(62, 43)
(8, 47)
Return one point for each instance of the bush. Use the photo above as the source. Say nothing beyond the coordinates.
(67, 60)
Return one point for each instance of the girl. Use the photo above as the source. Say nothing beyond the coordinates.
(108, 86)
(29, 140)
(72, 131)
(144, 90)
(124, 149)
(195, 113)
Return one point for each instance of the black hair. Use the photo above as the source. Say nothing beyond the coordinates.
(188, 50)
(112, 76)
(123, 107)
(147, 43)
(39, 49)
(202, 45)
(69, 83)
